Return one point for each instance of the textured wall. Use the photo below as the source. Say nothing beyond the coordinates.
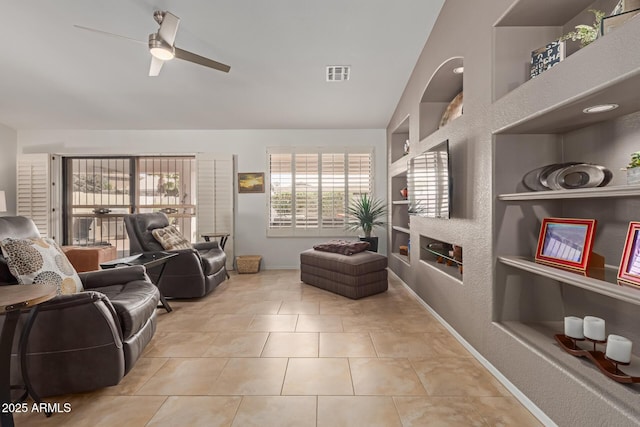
(490, 296)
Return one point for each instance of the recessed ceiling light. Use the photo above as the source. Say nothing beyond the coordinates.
(458, 70)
(338, 73)
(600, 108)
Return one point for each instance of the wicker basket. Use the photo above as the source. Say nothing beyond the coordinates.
(248, 263)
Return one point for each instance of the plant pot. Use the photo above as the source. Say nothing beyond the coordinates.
(633, 175)
(373, 243)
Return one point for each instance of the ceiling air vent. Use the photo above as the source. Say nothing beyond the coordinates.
(338, 73)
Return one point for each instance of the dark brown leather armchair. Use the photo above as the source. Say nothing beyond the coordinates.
(192, 274)
(87, 340)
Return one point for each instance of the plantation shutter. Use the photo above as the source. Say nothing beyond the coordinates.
(333, 190)
(214, 203)
(306, 191)
(359, 173)
(33, 190)
(281, 194)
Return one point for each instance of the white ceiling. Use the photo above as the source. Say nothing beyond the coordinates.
(55, 76)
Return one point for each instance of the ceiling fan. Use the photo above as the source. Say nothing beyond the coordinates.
(162, 47)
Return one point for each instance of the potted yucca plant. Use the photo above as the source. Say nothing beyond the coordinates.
(366, 212)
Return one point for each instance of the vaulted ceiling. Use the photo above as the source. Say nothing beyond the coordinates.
(56, 76)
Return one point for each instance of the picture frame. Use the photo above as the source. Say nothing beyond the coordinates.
(629, 270)
(250, 182)
(566, 243)
(546, 57)
(612, 22)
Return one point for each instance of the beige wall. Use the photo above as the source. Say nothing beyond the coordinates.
(8, 144)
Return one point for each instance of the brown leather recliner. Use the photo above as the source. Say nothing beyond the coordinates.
(192, 274)
(87, 340)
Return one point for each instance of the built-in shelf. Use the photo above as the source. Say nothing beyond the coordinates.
(400, 202)
(403, 258)
(580, 193)
(399, 168)
(399, 137)
(608, 286)
(433, 253)
(542, 13)
(401, 229)
(538, 338)
(539, 111)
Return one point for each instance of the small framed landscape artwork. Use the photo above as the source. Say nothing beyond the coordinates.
(566, 242)
(629, 271)
(251, 182)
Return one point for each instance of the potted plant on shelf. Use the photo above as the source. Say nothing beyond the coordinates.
(586, 34)
(366, 212)
(633, 169)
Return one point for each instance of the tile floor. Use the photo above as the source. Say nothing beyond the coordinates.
(268, 350)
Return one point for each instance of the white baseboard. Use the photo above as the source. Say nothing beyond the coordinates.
(522, 398)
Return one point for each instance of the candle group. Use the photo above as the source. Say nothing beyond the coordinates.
(593, 328)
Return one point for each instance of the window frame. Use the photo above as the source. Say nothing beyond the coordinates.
(320, 230)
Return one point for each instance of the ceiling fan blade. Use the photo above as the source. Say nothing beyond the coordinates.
(156, 66)
(197, 59)
(93, 30)
(169, 28)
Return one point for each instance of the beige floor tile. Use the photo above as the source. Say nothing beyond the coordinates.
(182, 322)
(184, 376)
(299, 307)
(346, 344)
(251, 376)
(505, 412)
(179, 344)
(340, 307)
(98, 411)
(445, 345)
(456, 377)
(237, 344)
(261, 307)
(210, 411)
(357, 411)
(319, 323)
(142, 371)
(273, 323)
(366, 323)
(324, 376)
(388, 344)
(291, 344)
(385, 377)
(439, 412)
(227, 323)
(276, 411)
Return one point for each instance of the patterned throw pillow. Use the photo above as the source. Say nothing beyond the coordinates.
(36, 261)
(343, 247)
(170, 238)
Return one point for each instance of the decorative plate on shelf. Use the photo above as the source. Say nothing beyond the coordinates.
(567, 176)
(453, 111)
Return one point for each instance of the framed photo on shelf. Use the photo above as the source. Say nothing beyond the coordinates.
(566, 243)
(610, 23)
(252, 182)
(546, 57)
(629, 271)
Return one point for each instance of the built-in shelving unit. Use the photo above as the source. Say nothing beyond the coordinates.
(439, 255)
(399, 232)
(539, 122)
(507, 306)
(443, 87)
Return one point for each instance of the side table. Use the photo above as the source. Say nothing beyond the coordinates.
(13, 299)
(149, 260)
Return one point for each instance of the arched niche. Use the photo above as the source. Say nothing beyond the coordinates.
(443, 87)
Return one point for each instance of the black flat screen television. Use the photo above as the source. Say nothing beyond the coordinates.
(429, 183)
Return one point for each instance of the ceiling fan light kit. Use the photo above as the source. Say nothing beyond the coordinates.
(160, 49)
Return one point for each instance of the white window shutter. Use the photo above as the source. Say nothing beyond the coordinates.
(34, 190)
(214, 205)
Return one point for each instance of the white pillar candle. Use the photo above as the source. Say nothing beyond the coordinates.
(618, 349)
(573, 327)
(594, 328)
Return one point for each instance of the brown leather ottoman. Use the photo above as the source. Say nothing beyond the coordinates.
(88, 258)
(353, 276)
